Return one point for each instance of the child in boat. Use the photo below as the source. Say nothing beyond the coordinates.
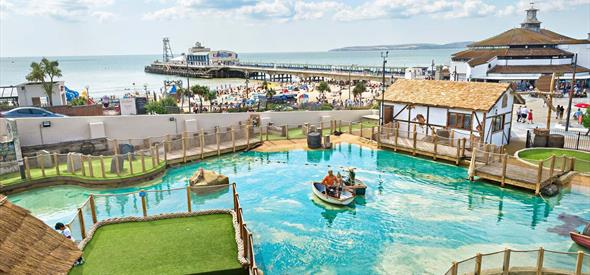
(330, 181)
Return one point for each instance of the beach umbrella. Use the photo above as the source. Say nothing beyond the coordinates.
(582, 105)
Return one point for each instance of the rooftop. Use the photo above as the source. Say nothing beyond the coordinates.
(29, 246)
(537, 69)
(481, 56)
(463, 95)
(523, 37)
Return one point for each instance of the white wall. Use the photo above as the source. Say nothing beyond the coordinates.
(583, 51)
(25, 96)
(143, 126)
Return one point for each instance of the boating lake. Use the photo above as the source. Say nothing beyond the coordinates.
(417, 217)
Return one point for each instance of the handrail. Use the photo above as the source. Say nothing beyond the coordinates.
(508, 263)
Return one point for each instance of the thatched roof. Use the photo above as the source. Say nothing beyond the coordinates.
(29, 246)
(477, 96)
(523, 36)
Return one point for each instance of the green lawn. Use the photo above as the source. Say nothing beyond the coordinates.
(297, 133)
(535, 155)
(36, 173)
(171, 246)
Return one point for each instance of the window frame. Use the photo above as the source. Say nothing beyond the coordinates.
(502, 118)
(459, 119)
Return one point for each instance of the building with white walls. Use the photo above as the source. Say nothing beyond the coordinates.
(523, 53)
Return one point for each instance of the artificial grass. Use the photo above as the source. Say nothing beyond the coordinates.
(36, 173)
(297, 133)
(171, 246)
(535, 155)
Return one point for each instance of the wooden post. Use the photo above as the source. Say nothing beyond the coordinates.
(539, 178)
(506, 265)
(452, 138)
(130, 163)
(153, 155)
(41, 164)
(102, 172)
(183, 140)
(248, 135)
(116, 147)
(463, 148)
(287, 131)
(56, 163)
(166, 142)
(454, 268)
(435, 139)
(217, 139)
(233, 140)
(379, 131)
(142, 154)
(572, 164)
(92, 209)
(266, 132)
(188, 199)
(361, 123)
(552, 166)
(458, 156)
(504, 165)
(550, 100)
(477, 270)
(372, 132)
(90, 168)
(563, 163)
(350, 127)
(486, 149)
(117, 166)
(82, 226)
(540, 257)
(158, 154)
(260, 131)
(414, 136)
(579, 261)
(202, 142)
(340, 125)
(144, 205)
(82, 157)
(396, 133)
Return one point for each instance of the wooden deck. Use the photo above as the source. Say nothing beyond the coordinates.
(194, 153)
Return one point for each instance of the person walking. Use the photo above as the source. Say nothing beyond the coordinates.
(530, 116)
(518, 114)
(524, 114)
(557, 110)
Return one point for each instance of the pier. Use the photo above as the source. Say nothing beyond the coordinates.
(280, 72)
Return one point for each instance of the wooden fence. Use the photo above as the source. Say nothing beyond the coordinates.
(509, 261)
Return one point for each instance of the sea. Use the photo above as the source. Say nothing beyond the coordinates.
(121, 74)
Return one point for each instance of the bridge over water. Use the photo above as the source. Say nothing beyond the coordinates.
(278, 71)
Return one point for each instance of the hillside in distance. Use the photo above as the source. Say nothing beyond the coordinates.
(415, 46)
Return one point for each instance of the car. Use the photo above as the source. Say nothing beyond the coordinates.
(22, 112)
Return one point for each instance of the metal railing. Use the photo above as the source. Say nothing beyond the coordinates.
(572, 140)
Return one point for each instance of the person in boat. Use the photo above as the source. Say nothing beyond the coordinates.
(330, 182)
(351, 177)
(339, 184)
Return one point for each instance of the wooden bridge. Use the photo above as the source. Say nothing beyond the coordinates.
(278, 71)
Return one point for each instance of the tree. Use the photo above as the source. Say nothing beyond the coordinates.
(161, 106)
(204, 94)
(182, 92)
(359, 89)
(323, 87)
(269, 94)
(43, 70)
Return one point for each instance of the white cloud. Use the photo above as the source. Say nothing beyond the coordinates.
(293, 10)
(64, 10)
(103, 16)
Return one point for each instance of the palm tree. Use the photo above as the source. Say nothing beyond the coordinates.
(39, 72)
(204, 94)
(269, 94)
(182, 92)
(323, 87)
(359, 89)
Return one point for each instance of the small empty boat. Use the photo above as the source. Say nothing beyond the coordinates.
(345, 197)
(580, 239)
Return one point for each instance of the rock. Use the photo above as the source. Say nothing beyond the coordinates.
(74, 162)
(550, 190)
(121, 159)
(45, 157)
(205, 181)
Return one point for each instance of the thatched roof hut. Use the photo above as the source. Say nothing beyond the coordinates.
(29, 246)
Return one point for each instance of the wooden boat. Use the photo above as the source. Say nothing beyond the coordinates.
(345, 197)
(358, 188)
(580, 239)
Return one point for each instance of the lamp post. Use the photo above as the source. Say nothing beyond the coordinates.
(384, 56)
(571, 94)
(188, 84)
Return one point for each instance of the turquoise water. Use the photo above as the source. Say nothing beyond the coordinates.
(417, 217)
(120, 74)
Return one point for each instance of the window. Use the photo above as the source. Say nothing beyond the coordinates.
(497, 123)
(505, 101)
(459, 121)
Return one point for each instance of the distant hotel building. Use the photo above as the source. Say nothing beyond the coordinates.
(199, 55)
(523, 53)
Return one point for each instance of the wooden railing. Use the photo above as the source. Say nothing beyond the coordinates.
(509, 261)
(80, 220)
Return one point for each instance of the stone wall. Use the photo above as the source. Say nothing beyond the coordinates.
(100, 146)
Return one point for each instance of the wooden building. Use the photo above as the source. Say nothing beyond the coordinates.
(481, 112)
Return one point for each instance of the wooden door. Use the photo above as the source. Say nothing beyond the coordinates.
(387, 114)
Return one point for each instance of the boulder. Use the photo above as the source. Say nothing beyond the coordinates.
(550, 190)
(121, 159)
(74, 162)
(206, 181)
(44, 157)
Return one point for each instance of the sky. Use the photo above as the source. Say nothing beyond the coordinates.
(116, 27)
